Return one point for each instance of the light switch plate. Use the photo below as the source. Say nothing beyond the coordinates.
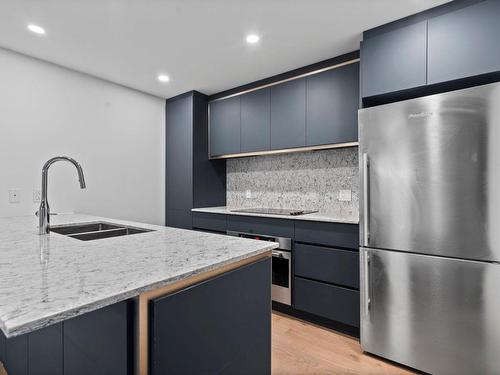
(37, 196)
(248, 194)
(14, 196)
(345, 195)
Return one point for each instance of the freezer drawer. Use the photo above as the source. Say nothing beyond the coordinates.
(438, 315)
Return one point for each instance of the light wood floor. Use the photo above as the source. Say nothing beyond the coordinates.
(303, 348)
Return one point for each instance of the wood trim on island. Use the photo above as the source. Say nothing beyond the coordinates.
(142, 312)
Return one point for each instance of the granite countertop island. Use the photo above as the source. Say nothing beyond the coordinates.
(50, 278)
(223, 210)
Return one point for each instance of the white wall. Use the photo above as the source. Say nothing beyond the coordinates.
(117, 135)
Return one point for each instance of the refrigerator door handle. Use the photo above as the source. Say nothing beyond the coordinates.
(366, 202)
(367, 284)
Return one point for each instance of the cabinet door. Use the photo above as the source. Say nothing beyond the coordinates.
(179, 155)
(395, 60)
(332, 106)
(225, 126)
(329, 301)
(256, 121)
(464, 43)
(220, 326)
(288, 114)
(45, 351)
(99, 342)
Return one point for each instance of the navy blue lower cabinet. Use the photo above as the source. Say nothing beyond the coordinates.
(220, 326)
(328, 234)
(2, 347)
(261, 225)
(210, 222)
(99, 342)
(327, 264)
(328, 301)
(45, 354)
(16, 355)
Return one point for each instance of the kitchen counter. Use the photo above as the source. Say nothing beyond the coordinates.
(51, 278)
(310, 217)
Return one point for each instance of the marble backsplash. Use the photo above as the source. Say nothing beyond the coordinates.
(309, 180)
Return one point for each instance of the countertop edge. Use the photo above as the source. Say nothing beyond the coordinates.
(306, 217)
(21, 329)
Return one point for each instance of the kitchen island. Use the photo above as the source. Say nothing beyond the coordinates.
(163, 300)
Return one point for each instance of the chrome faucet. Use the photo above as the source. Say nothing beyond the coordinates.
(44, 210)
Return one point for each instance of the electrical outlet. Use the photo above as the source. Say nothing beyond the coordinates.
(14, 196)
(37, 196)
(248, 194)
(345, 195)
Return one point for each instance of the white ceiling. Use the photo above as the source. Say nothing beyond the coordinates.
(200, 44)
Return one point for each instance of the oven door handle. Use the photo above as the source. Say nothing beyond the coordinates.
(281, 254)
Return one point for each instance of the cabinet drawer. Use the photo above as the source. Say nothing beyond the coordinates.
(328, 234)
(327, 264)
(265, 226)
(328, 301)
(207, 221)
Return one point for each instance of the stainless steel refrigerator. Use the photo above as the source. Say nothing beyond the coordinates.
(430, 231)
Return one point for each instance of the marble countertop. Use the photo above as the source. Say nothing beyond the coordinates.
(50, 278)
(311, 217)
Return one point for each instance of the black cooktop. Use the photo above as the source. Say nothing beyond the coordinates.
(274, 211)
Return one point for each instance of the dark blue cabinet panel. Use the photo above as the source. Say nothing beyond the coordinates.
(179, 153)
(225, 126)
(210, 222)
(329, 301)
(395, 60)
(256, 121)
(288, 114)
(191, 179)
(328, 234)
(2, 347)
(327, 264)
(99, 342)
(221, 326)
(260, 225)
(179, 218)
(45, 354)
(332, 106)
(16, 355)
(464, 43)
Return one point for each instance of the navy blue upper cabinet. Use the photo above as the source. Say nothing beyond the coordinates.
(225, 126)
(464, 43)
(288, 114)
(332, 106)
(256, 121)
(395, 60)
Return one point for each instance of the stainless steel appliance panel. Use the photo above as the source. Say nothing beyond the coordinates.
(281, 287)
(436, 314)
(430, 174)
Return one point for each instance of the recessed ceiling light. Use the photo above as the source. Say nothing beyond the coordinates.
(252, 38)
(163, 78)
(36, 29)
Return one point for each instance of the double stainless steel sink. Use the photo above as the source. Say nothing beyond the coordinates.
(96, 230)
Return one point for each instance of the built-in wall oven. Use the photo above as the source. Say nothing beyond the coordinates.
(281, 289)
